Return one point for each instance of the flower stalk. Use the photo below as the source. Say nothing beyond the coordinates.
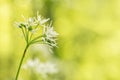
(21, 61)
(29, 28)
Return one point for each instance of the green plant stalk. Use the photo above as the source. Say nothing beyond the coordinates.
(21, 61)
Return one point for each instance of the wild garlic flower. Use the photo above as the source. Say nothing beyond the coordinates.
(49, 35)
(41, 26)
(38, 30)
(42, 68)
(41, 20)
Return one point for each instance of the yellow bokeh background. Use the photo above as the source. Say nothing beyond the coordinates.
(88, 42)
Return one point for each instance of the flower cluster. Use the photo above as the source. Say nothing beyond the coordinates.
(41, 68)
(41, 26)
(38, 30)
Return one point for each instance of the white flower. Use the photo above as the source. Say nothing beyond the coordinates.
(31, 63)
(50, 35)
(42, 21)
(41, 68)
(32, 25)
(31, 22)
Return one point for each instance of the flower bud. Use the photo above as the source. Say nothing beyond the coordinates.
(21, 25)
(30, 28)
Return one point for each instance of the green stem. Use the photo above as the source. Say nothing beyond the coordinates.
(32, 42)
(36, 38)
(21, 61)
(24, 34)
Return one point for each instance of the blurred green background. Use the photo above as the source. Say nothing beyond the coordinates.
(88, 44)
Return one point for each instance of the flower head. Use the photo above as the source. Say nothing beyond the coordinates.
(49, 35)
(33, 25)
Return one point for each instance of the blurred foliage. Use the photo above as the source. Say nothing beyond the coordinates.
(88, 44)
